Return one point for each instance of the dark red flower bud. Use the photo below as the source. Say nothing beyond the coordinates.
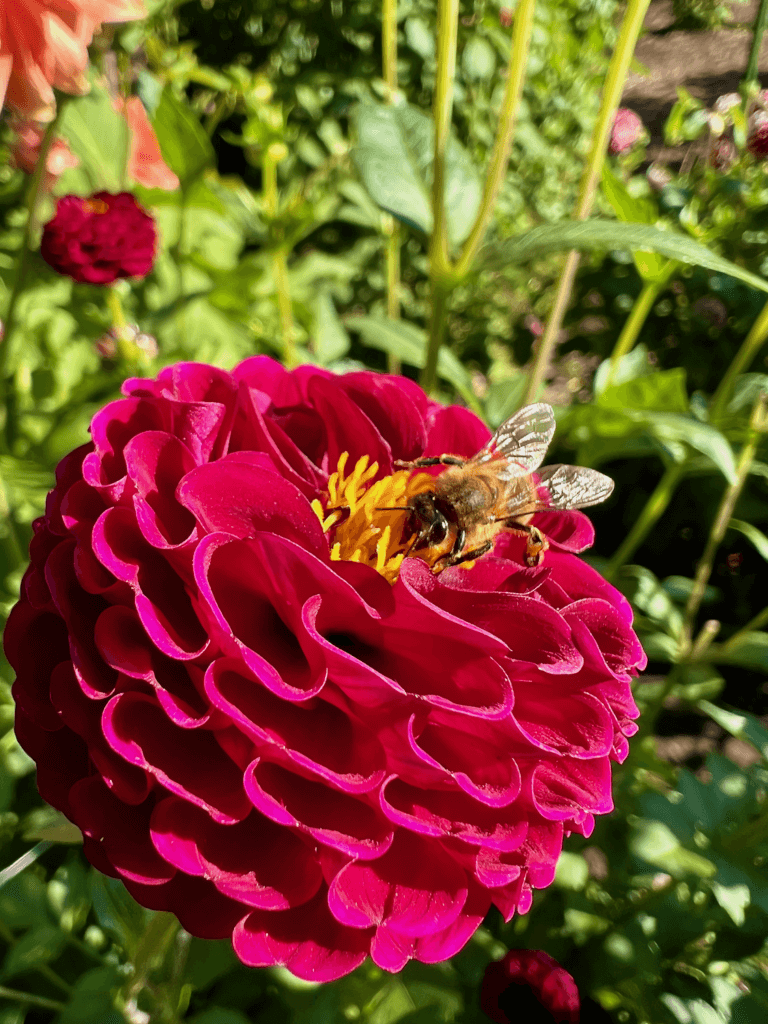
(757, 140)
(99, 239)
(528, 985)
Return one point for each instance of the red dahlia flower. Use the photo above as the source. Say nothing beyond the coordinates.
(267, 720)
(100, 239)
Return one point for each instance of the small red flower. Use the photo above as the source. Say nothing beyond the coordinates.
(528, 985)
(264, 716)
(100, 239)
(627, 130)
(757, 138)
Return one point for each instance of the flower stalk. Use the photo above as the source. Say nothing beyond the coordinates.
(614, 86)
(439, 264)
(749, 349)
(758, 31)
(654, 509)
(758, 425)
(394, 238)
(638, 315)
(272, 156)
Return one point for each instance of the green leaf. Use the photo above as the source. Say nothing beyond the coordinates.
(92, 1000)
(99, 136)
(631, 366)
(504, 397)
(599, 235)
(734, 899)
(664, 391)
(740, 724)
(409, 344)
(756, 537)
(39, 946)
(478, 60)
(749, 650)
(23, 902)
(746, 390)
(183, 142)
(572, 871)
(330, 338)
(655, 843)
(651, 266)
(116, 910)
(218, 1015)
(394, 154)
(675, 428)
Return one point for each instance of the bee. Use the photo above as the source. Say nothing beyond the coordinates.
(475, 499)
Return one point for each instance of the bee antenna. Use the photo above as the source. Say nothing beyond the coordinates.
(395, 508)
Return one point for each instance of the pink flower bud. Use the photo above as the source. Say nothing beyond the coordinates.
(627, 129)
(528, 985)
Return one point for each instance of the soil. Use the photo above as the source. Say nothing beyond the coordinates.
(707, 64)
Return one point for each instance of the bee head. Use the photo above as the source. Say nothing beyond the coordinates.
(433, 526)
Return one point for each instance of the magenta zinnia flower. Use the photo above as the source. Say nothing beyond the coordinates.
(268, 721)
(100, 239)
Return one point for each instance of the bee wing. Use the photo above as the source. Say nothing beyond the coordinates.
(575, 486)
(521, 441)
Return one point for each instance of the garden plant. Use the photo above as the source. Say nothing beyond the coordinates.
(273, 748)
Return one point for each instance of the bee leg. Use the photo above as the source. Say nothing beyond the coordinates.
(457, 557)
(437, 460)
(536, 543)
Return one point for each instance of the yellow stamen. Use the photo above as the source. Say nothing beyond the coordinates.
(368, 522)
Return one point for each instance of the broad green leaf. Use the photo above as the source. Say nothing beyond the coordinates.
(504, 397)
(756, 537)
(394, 154)
(673, 427)
(650, 265)
(409, 344)
(23, 902)
(598, 235)
(740, 724)
(572, 871)
(36, 947)
(631, 366)
(479, 58)
(664, 391)
(116, 910)
(649, 596)
(655, 843)
(99, 136)
(734, 899)
(746, 390)
(92, 1000)
(749, 650)
(330, 340)
(184, 144)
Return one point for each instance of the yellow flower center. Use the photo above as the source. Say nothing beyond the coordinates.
(359, 519)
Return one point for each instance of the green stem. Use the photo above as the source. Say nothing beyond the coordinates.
(389, 62)
(52, 976)
(758, 29)
(749, 349)
(151, 950)
(29, 1000)
(279, 260)
(721, 520)
(654, 508)
(33, 198)
(634, 322)
(518, 61)
(439, 264)
(115, 306)
(760, 620)
(612, 90)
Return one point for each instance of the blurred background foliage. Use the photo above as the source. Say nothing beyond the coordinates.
(263, 110)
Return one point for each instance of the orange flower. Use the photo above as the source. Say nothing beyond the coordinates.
(26, 150)
(145, 162)
(44, 46)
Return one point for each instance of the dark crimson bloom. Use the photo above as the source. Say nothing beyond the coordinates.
(627, 130)
(757, 137)
(100, 239)
(528, 985)
(267, 719)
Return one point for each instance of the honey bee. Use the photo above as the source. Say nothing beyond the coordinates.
(473, 500)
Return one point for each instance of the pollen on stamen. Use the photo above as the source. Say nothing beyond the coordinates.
(367, 521)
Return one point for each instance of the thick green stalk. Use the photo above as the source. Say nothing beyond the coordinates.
(612, 90)
(518, 61)
(758, 29)
(279, 260)
(389, 62)
(749, 349)
(439, 265)
(654, 509)
(758, 426)
(25, 999)
(634, 324)
(34, 193)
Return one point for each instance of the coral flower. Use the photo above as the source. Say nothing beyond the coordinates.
(100, 239)
(267, 715)
(25, 151)
(145, 162)
(44, 46)
(627, 130)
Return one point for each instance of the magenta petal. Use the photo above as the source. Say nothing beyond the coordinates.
(155, 462)
(306, 940)
(571, 788)
(337, 819)
(415, 888)
(139, 731)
